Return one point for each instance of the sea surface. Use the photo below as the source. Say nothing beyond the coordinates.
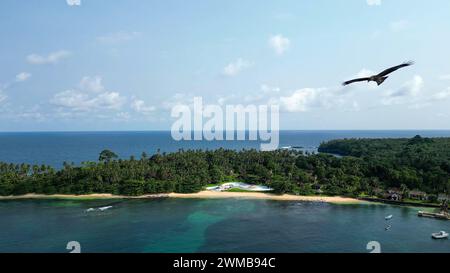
(227, 225)
(53, 148)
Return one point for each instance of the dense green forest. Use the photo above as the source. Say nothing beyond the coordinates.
(416, 163)
(368, 164)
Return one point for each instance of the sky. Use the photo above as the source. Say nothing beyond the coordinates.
(91, 65)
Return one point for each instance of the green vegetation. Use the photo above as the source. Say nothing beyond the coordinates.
(367, 165)
(417, 163)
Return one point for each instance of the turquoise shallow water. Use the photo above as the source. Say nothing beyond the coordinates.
(228, 225)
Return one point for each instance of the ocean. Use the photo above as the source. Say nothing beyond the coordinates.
(228, 225)
(53, 148)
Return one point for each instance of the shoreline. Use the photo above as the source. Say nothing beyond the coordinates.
(198, 195)
(95, 196)
(266, 196)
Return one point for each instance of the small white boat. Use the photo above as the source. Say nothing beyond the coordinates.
(104, 208)
(90, 209)
(389, 217)
(440, 235)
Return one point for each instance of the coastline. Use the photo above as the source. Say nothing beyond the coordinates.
(266, 196)
(95, 196)
(198, 195)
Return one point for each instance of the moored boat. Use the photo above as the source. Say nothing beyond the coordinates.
(440, 235)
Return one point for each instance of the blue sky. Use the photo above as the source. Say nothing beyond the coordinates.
(121, 65)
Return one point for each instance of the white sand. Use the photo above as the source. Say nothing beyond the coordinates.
(268, 196)
(199, 195)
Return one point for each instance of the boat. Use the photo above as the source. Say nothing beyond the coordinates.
(389, 217)
(104, 208)
(440, 235)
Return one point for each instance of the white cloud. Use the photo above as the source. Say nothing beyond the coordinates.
(123, 116)
(363, 73)
(85, 101)
(21, 77)
(234, 68)
(441, 95)
(52, 58)
(373, 2)
(307, 99)
(33, 113)
(118, 37)
(3, 97)
(178, 99)
(398, 26)
(78, 101)
(269, 89)
(93, 84)
(140, 107)
(300, 100)
(279, 43)
(444, 77)
(73, 2)
(407, 93)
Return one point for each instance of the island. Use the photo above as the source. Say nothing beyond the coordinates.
(413, 171)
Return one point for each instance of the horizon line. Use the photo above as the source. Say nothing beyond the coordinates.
(282, 130)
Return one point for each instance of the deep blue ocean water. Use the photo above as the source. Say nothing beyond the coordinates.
(53, 148)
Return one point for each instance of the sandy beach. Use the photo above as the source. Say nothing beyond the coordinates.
(199, 195)
(81, 197)
(267, 196)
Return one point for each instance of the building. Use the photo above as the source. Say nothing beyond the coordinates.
(418, 195)
(442, 197)
(393, 194)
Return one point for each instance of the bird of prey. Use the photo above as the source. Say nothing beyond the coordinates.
(379, 78)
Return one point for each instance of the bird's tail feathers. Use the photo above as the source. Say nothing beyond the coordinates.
(381, 80)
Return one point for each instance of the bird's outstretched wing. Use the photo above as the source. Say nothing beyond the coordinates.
(392, 69)
(355, 80)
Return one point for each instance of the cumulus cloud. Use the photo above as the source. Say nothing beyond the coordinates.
(140, 107)
(52, 58)
(92, 97)
(234, 68)
(308, 99)
(73, 2)
(301, 100)
(373, 2)
(279, 44)
(93, 84)
(118, 37)
(21, 77)
(178, 99)
(407, 93)
(78, 101)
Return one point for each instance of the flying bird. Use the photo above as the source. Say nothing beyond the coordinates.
(379, 78)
